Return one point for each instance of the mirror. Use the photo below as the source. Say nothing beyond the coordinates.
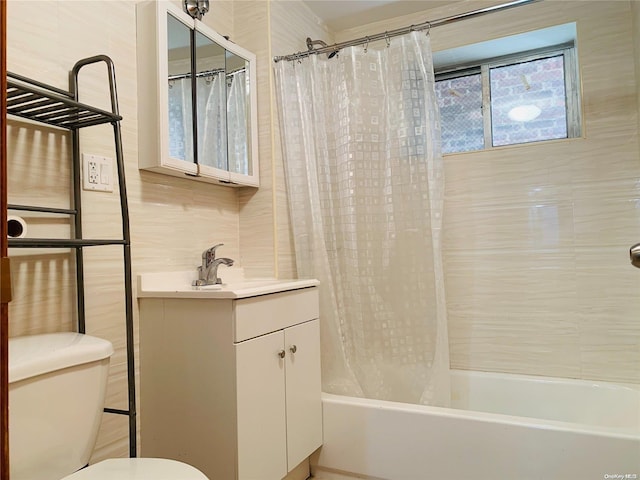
(180, 97)
(238, 114)
(216, 88)
(211, 96)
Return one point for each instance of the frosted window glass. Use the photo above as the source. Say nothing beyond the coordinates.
(460, 103)
(528, 101)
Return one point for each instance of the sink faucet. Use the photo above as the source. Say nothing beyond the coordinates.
(208, 271)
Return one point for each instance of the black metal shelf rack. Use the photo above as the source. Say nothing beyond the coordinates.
(35, 101)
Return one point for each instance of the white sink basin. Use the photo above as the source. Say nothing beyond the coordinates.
(179, 285)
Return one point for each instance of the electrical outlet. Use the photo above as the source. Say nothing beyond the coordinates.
(93, 172)
(97, 173)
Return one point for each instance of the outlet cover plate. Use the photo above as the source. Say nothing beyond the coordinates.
(97, 173)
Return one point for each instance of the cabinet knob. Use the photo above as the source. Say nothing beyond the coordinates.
(281, 353)
(293, 349)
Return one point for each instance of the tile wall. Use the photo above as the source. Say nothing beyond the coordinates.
(536, 237)
(270, 29)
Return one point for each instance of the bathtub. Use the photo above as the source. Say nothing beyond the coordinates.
(500, 427)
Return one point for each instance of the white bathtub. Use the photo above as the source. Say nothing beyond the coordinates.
(502, 427)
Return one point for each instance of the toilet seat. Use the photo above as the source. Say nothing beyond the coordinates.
(138, 469)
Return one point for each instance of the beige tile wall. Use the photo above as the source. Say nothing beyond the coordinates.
(257, 217)
(269, 29)
(635, 6)
(172, 220)
(537, 236)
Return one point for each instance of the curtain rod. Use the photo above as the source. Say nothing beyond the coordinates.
(207, 73)
(401, 31)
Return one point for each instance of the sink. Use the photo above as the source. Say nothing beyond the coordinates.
(179, 285)
(240, 284)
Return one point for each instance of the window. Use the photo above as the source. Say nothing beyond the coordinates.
(522, 98)
(460, 102)
(528, 101)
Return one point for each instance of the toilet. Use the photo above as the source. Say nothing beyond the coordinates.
(57, 386)
(137, 468)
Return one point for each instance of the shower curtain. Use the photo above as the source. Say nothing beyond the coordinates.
(360, 134)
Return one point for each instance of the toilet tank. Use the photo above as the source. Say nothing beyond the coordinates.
(57, 385)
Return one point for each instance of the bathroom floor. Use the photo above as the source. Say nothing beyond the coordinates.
(324, 475)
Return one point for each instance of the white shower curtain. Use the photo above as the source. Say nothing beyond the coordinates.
(365, 184)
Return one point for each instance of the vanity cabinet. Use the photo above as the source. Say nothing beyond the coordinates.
(231, 386)
(197, 106)
(274, 433)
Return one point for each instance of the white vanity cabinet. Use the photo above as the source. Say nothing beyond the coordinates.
(197, 105)
(280, 430)
(231, 385)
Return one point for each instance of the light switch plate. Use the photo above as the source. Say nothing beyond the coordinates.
(97, 173)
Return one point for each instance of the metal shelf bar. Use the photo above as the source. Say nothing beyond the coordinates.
(42, 103)
(61, 242)
(41, 85)
(31, 208)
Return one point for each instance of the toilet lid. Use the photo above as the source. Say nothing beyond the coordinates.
(138, 469)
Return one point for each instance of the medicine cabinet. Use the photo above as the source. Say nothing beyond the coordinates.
(197, 106)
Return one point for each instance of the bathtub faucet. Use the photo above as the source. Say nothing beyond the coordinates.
(208, 271)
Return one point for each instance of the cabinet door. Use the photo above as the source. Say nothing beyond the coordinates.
(261, 408)
(304, 407)
(163, 35)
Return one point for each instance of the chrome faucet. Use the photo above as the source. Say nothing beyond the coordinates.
(208, 271)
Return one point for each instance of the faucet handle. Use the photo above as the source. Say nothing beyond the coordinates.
(210, 253)
(214, 248)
